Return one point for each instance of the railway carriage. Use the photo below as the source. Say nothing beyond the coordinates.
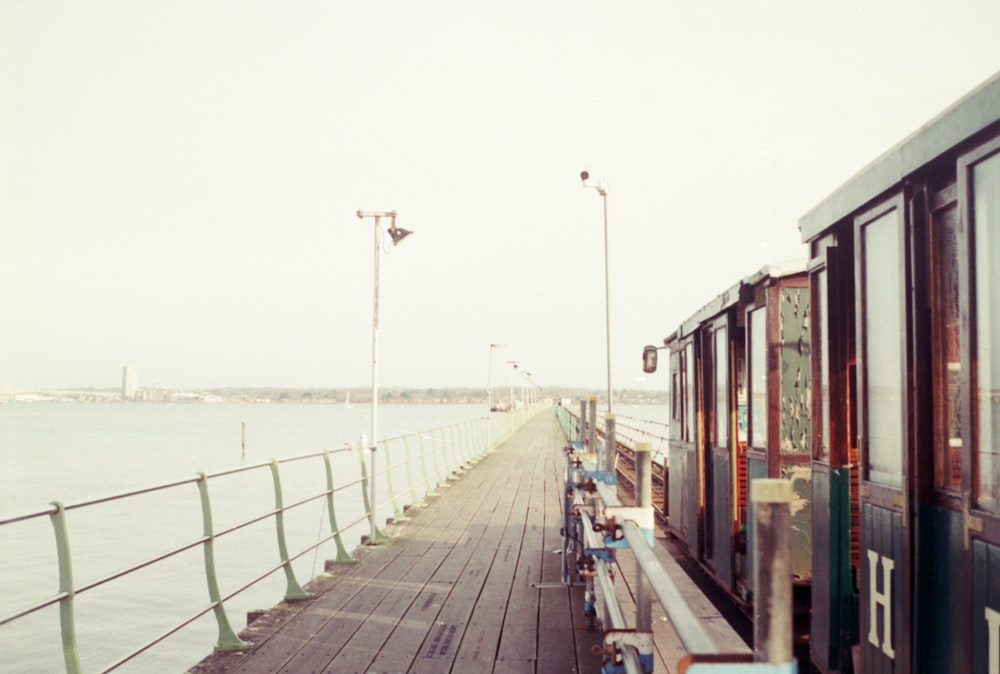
(869, 377)
(905, 275)
(740, 395)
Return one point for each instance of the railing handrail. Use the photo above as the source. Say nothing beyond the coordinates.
(453, 449)
(592, 501)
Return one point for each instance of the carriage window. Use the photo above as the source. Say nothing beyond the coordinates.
(721, 362)
(820, 312)
(947, 352)
(883, 348)
(689, 387)
(796, 371)
(986, 218)
(758, 378)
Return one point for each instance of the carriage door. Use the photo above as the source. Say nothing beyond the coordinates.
(882, 375)
(684, 493)
(979, 188)
(718, 481)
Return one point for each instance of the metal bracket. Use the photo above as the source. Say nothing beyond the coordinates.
(615, 640)
(641, 641)
(643, 517)
(604, 554)
(607, 477)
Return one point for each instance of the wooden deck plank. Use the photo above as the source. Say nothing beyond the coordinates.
(478, 650)
(518, 637)
(456, 614)
(460, 579)
(435, 530)
(387, 600)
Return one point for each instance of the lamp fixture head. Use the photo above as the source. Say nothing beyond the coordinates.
(398, 234)
(602, 187)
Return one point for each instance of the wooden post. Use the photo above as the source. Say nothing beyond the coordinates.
(610, 446)
(644, 499)
(772, 577)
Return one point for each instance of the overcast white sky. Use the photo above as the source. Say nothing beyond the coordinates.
(179, 180)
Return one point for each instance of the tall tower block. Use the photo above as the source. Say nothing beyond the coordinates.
(128, 383)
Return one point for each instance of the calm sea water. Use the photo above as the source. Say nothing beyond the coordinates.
(73, 452)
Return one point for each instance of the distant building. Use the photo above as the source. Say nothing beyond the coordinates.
(128, 383)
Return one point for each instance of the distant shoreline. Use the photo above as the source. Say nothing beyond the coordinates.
(358, 396)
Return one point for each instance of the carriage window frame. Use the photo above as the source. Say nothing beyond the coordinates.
(985, 325)
(947, 341)
(884, 360)
(757, 376)
(690, 382)
(720, 386)
(820, 310)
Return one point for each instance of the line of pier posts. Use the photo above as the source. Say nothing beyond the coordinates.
(597, 524)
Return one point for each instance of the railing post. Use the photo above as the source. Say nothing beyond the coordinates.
(66, 622)
(429, 489)
(342, 555)
(397, 512)
(583, 424)
(444, 471)
(772, 578)
(456, 459)
(469, 438)
(228, 640)
(293, 590)
(572, 534)
(374, 533)
(415, 501)
(610, 456)
(462, 429)
(644, 499)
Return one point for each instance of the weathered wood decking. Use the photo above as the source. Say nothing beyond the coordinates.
(470, 584)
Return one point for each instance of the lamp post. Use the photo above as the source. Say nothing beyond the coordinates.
(489, 393)
(510, 410)
(602, 189)
(397, 235)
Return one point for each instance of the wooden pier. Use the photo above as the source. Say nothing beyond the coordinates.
(470, 584)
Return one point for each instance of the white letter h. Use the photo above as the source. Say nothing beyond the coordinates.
(884, 598)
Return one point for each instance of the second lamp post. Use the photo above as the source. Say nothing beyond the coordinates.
(602, 189)
(397, 235)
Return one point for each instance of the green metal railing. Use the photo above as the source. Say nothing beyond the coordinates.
(442, 454)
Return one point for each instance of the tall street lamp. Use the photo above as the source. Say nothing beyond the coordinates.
(489, 393)
(397, 234)
(602, 189)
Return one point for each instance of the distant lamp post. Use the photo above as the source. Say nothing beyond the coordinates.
(489, 393)
(397, 234)
(510, 410)
(513, 366)
(602, 189)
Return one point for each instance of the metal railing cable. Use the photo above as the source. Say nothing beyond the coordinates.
(453, 449)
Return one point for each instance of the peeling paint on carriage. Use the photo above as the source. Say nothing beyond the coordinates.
(796, 379)
(801, 507)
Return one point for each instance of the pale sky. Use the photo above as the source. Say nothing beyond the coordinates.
(179, 180)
